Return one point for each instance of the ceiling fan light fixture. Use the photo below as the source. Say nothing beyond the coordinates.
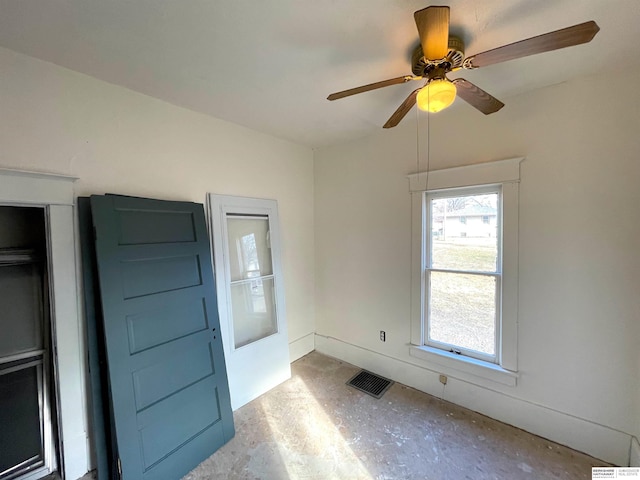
(437, 95)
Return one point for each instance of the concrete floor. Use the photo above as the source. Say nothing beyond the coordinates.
(315, 427)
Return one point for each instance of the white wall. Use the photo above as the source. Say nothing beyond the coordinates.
(579, 307)
(118, 141)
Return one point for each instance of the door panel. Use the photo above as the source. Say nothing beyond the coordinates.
(145, 276)
(167, 374)
(150, 328)
(188, 362)
(142, 227)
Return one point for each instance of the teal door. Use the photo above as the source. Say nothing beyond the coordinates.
(167, 377)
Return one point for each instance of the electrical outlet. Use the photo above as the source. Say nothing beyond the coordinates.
(443, 379)
(383, 335)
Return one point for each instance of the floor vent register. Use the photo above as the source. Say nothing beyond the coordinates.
(370, 383)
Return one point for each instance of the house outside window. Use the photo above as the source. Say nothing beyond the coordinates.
(464, 299)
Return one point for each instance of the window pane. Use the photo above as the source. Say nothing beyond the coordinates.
(464, 232)
(462, 310)
(20, 439)
(249, 247)
(253, 310)
(20, 294)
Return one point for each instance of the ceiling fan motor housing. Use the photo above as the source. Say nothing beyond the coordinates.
(421, 67)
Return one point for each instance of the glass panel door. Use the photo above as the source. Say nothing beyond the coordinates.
(245, 234)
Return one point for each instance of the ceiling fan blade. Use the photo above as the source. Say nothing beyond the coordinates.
(476, 97)
(371, 86)
(566, 37)
(402, 110)
(433, 28)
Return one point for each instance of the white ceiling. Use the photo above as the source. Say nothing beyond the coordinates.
(269, 64)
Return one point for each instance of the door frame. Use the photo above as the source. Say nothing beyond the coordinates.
(55, 193)
(46, 374)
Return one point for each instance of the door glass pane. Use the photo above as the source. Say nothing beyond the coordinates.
(462, 310)
(249, 247)
(20, 440)
(20, 298)
(254, 311)
(464, 232)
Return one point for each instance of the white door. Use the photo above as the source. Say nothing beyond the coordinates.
(246, 251)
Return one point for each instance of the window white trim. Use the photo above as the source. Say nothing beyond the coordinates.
(507, 174)
(468, 176)
(450, 363)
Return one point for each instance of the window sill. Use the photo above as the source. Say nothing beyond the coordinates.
(467, 365)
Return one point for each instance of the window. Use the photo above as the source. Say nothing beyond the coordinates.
(464, 298)
(463, 276)
(252, 278)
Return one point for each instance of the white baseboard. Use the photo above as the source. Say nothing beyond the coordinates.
(300, 347)
(634, 454)
(593, 439)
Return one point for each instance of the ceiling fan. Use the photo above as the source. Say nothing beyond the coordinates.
(440, 53)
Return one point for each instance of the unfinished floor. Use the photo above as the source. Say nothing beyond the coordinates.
(315, 427)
